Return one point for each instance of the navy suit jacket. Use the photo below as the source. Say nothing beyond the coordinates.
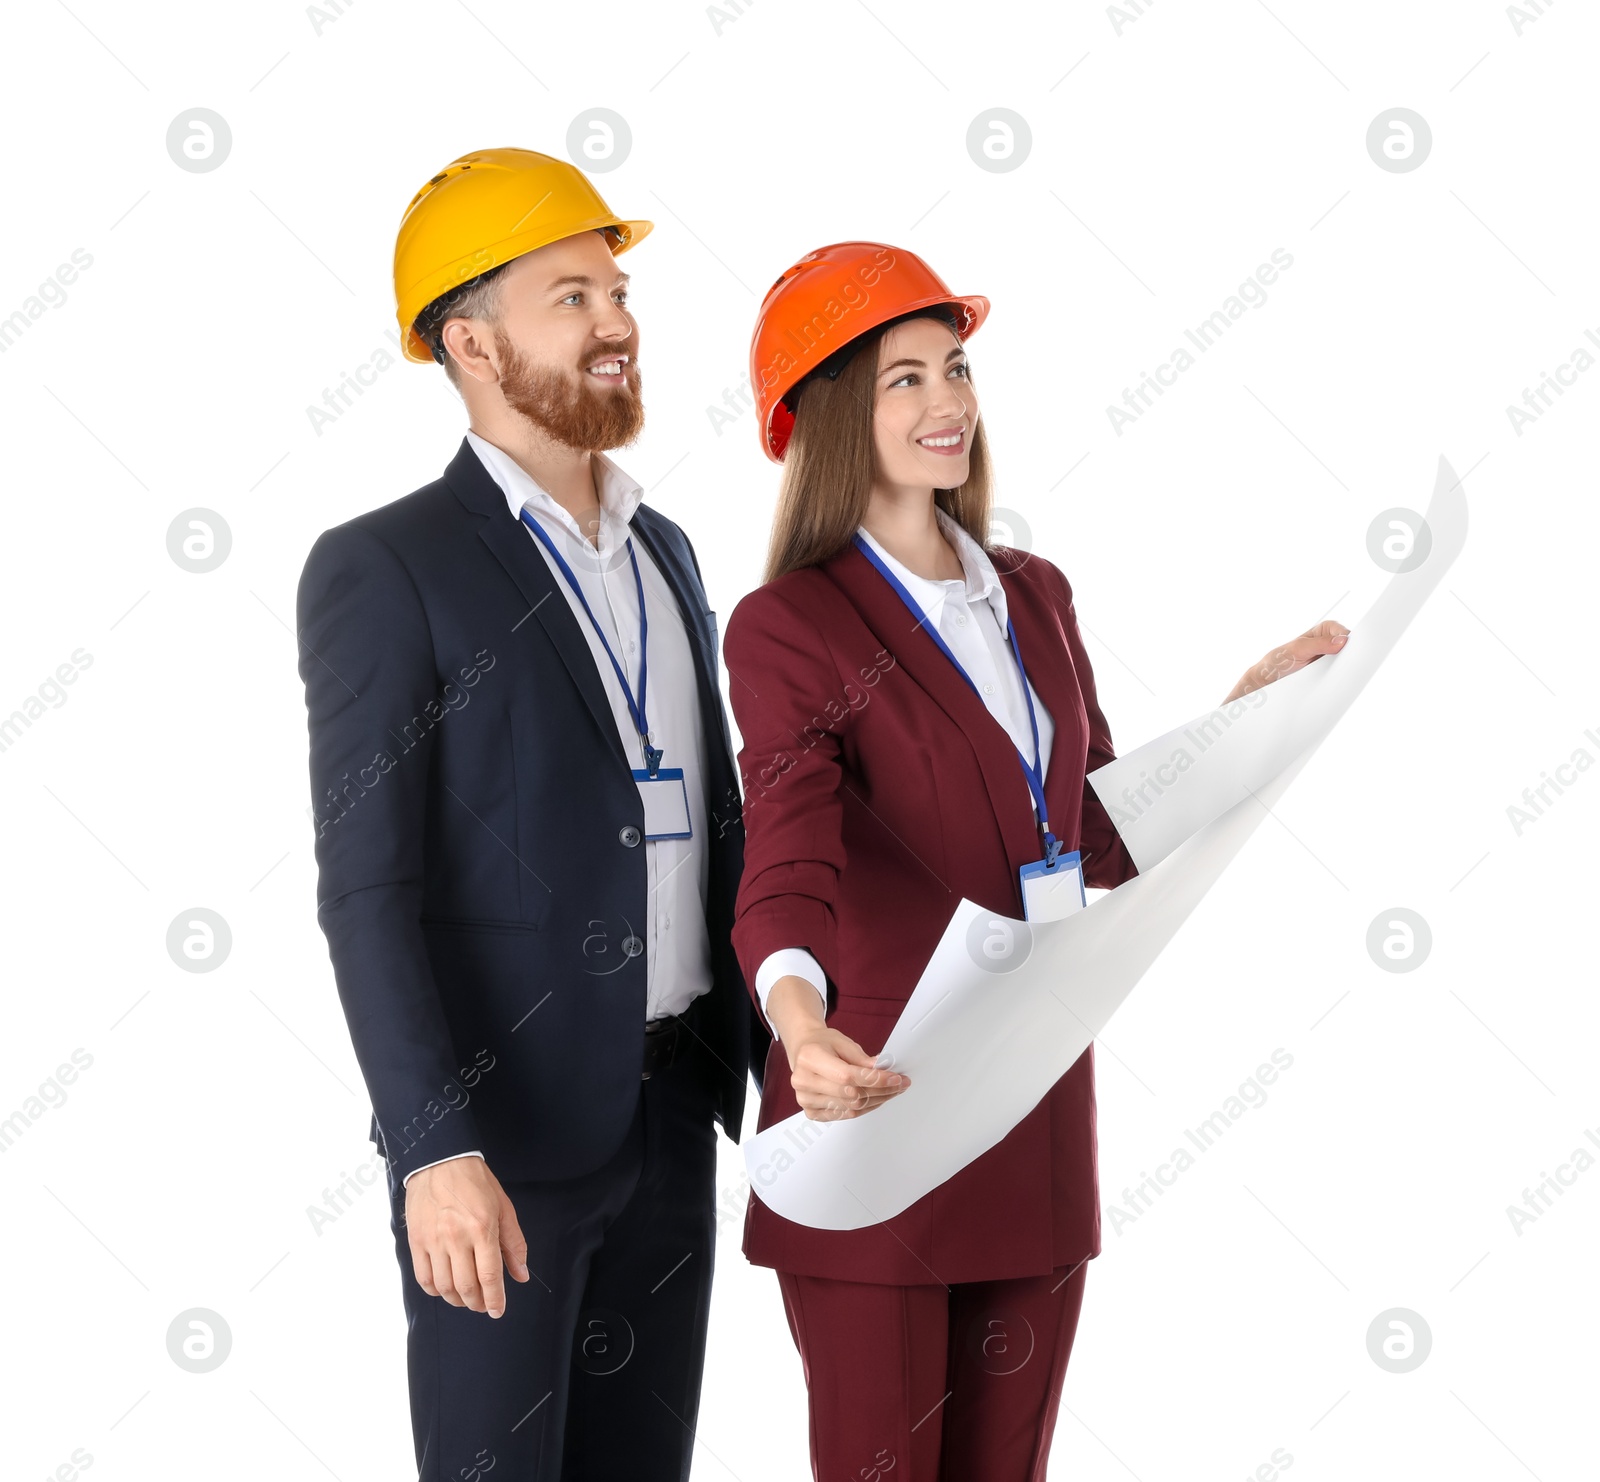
(479, 836)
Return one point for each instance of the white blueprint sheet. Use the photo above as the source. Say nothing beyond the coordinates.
(983, 1047)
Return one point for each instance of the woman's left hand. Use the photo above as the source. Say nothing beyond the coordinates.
(1326, 638)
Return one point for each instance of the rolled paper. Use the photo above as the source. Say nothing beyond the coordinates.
(981, 1060)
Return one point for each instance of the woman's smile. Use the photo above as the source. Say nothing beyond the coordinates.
(948, 442)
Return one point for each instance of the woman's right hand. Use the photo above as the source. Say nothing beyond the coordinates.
(832, 1076)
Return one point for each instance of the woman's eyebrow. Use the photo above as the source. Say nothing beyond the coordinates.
(906, 360)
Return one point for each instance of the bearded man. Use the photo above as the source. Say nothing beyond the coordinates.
(528, 845)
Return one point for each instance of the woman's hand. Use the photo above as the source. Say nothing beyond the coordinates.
(1326, 638)
(832, 1076)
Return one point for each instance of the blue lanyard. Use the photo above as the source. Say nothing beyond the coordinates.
(1033, 769)
(652, 754)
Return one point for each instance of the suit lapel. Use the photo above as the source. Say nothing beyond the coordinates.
(1049, 661)
(691, 604)
(702, 638)
(914, 651)
(540, 587)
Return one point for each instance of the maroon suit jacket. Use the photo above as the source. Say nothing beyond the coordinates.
(878, 791)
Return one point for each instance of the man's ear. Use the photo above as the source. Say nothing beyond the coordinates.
(468, 342)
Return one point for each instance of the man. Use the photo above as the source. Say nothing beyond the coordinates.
(528, 845)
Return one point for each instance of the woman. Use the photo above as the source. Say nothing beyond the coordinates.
(890, 731)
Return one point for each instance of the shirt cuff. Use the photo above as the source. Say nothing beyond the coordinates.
(436, 1162)
(789, 962)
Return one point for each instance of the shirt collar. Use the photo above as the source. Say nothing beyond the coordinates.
(979, 580)
(619, 494)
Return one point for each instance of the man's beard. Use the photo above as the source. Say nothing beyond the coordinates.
(590, 418)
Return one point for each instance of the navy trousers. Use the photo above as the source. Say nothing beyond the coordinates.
(593, 1371)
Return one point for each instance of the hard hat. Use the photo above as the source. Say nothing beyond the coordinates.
(485, 209)
(829, 298)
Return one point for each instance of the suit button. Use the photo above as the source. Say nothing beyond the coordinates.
(629, 835)
(632, 946)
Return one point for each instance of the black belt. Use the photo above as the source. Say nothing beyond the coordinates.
(669, 1039)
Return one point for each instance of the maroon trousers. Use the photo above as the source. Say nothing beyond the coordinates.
(925, 1383)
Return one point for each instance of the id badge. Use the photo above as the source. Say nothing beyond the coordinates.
(666, 802)
(1050, 892)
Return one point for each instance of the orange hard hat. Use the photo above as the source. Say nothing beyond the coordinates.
(829, 298)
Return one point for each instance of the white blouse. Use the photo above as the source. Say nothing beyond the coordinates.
(970, 615)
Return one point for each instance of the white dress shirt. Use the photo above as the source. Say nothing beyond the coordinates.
(677, 944)
(970, 614)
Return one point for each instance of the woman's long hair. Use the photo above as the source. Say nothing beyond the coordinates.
(829, 464)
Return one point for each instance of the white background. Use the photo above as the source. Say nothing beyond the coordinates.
(1167, 162)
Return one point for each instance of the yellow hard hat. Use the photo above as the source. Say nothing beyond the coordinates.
(485, 209)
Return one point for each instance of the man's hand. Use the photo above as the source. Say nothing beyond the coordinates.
(460, 1224)
(833, 1077)
(1326, 638)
